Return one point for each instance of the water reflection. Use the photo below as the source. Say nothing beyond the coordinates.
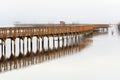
(47, 56)
(73, 48)
(100, 33)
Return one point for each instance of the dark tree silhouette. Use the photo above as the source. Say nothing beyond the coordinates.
(119, 28)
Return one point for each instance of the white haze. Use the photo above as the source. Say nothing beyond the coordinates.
(52, 11)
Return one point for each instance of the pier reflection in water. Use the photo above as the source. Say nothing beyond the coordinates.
(47, 55)
(99, 33)
(69, 47)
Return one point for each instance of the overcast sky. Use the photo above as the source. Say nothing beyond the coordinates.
(53, 11)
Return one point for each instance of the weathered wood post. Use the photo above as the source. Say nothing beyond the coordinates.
(63, 40)
(53, 42)
(31, 51)
(58, 41)
(4, 54)
(15, 62)
(48, 43)
(42, 44)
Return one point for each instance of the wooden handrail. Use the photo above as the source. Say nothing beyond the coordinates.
(9, 32)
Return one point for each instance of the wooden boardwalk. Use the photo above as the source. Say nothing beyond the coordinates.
(69, 34)
(14, 32)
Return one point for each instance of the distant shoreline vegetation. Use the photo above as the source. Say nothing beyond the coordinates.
(119, 26)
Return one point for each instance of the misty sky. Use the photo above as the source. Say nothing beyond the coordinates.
(53, 11)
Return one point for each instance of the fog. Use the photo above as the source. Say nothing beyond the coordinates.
(98, 61)
(52, 11)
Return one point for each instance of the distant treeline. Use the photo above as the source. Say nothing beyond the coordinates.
(119, 26)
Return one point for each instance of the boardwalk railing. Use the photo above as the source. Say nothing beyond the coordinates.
(21, 39)
(13, 32)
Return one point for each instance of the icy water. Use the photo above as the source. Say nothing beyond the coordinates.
(99, 61)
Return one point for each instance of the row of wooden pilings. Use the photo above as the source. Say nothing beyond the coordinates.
(66, 39)
(74, 37)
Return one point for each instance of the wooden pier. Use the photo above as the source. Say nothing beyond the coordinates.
(67, 35)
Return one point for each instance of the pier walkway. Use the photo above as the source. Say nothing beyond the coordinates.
(69, 35)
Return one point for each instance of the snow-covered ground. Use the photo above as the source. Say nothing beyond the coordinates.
(100, 61)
